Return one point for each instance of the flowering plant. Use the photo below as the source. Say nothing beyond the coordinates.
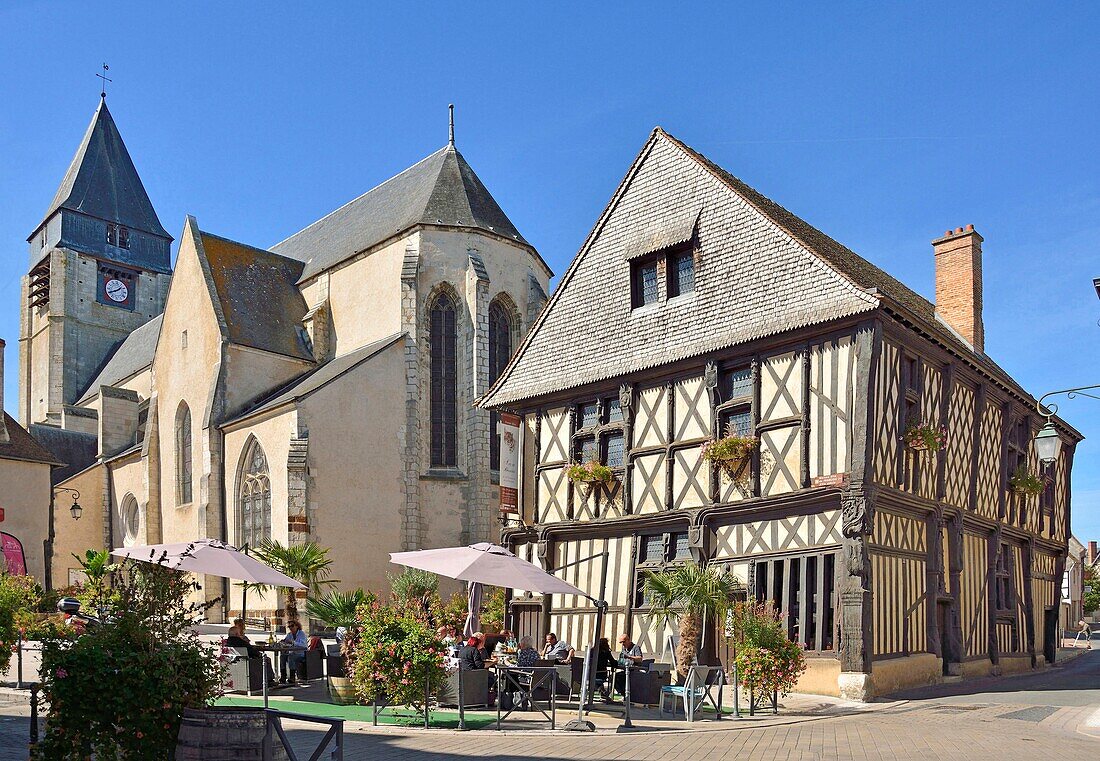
(767, 661)
(730, 452)
(18, 596)
(1024, 481)
(591, 472)
(118, 691)
(395, 656)
(922, 437)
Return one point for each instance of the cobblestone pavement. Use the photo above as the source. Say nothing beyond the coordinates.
(1036, 715)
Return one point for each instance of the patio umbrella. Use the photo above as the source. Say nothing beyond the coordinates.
(473, 605)
(212, 557)
(486, 563)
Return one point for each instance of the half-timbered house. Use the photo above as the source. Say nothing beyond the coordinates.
(696, 307)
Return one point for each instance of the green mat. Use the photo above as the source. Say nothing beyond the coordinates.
(399, 716)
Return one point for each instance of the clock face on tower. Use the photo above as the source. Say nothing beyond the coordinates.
(116, 286)
(116, 290)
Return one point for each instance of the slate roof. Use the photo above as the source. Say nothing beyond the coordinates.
(259, 297)
(441, 189)
(133, 355)
(762, 271)
(322, 376)
(102, 182)
(76, 450)
(22, 446)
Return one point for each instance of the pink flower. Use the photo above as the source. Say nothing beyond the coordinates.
(62, 673)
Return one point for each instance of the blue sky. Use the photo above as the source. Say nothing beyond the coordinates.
(883, 124)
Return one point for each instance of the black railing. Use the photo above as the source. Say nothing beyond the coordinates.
(274, 729)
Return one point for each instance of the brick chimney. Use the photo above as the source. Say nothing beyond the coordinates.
(1091, 557)
(959, 283)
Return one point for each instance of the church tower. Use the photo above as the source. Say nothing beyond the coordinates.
(99, 269)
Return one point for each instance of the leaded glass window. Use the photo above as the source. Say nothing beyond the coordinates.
(500, 351)
(682, 274)
(255, 497)
(183, 455)
(443, 337)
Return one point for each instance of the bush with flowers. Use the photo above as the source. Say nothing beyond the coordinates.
(395, 655)
(767, 661)
(18, 596)
(118, 691)
(730, 452)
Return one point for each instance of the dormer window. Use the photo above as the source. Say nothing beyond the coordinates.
(118, 235)
(681, 272)
(644, 281)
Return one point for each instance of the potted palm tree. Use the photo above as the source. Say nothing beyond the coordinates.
(690, 594)
(338, 610)
(308, 563)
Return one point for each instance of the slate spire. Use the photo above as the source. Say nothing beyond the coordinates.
(102, 182)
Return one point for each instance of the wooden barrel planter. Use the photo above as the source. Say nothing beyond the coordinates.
(224, 733)
(342, 691)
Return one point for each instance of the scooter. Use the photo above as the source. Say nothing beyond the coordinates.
(69, 607)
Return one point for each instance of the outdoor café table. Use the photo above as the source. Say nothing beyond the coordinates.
(524, 680)
(276, 647)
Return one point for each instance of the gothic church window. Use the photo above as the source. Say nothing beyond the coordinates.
(500, 351)
(443, 354)
(255, 497)
(183, 455)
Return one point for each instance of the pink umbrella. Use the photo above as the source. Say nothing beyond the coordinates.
(486, 564)
(212, 557)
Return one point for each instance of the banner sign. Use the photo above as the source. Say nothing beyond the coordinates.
(14, 560)
(508, 438)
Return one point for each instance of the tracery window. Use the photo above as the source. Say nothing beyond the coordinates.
(443, 353)
(183, 455)
(254, 497)
(500, 351)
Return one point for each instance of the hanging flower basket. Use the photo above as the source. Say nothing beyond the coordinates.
(1024, 481)
(925, 438)
(590, 473)
(730, 453)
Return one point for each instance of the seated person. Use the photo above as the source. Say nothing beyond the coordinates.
(556, 650)
(527, 654)
(469, 656)
(605, 662)
(629, 655)
(291, 658)
(237, 638)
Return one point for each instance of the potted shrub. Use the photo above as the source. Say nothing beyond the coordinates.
(730, 453)
(767, 663)
(1023, 481)
(586, 476)
(337, 610)
(921, 437)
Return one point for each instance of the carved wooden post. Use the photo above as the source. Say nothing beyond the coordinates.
(934, 580)
(1027, 557)
(545, 551)
(857, 521)
(626, 407)
(991, 596)
(710, 380)
(955, 565)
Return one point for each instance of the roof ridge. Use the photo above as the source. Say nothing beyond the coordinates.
(250, 247)
(361, 195)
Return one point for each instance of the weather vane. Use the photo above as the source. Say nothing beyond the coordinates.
(106, 79)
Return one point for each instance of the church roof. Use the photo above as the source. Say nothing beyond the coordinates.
(762, 271)
(102, 182)
(322, 376)
(74, 449)
(442, 189)
(259, 296)
(133, 355)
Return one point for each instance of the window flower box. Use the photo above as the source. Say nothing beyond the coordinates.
(1025, 482)
(925, 438)
(730, 453)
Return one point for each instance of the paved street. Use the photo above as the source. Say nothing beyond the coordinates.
(1014, 718)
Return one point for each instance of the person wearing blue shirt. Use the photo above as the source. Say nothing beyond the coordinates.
(291, 658)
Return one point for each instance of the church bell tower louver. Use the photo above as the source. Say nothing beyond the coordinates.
(99, 269)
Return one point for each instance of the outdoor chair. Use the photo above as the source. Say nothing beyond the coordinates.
(563, 682)
(312, 666)
(696, 691)
(244, 674)
(475, 689)
(645, 686)
(334, 661)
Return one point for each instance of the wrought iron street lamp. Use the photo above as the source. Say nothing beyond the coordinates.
(75, 509)
(1047, 442)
